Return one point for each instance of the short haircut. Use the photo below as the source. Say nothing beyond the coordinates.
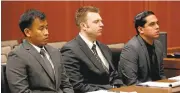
(81, 13)
(140, 20)
(28, 17)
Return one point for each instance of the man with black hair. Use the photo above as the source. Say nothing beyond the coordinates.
(34, 66)
(141, 59)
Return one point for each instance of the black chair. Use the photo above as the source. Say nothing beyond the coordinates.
(116, 56)
(4, 83)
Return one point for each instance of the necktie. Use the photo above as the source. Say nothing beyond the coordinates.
(47, 62)
(98, 58)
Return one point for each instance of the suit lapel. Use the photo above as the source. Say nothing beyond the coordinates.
(89, 54)
(106, 54)
(36, 55)
(54, 60)
(144, 48)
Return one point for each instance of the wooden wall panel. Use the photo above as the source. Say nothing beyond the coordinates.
(168, 15)
(117, 18)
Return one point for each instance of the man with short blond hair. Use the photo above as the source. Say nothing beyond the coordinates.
(88, 61)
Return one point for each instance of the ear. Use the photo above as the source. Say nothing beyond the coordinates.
(83, 25)
(140, 29)
(27, 32)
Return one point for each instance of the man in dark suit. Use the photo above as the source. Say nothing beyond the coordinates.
(141, 59)
(87, 61)
(34, 67)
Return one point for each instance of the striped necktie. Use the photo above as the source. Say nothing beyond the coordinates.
(47, 62)
(98, 58)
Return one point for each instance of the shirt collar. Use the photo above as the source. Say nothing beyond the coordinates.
(37, 48)
(147, 44)
(88, 42)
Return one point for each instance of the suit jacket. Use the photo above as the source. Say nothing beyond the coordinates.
(85, 72)
(134, 65)
(27, 72)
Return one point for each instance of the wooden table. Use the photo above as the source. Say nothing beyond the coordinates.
(172, 90)
(143, 89)
(172, 67)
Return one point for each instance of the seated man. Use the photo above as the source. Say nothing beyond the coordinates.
(88, 61)
(34, 67)
(141, 59)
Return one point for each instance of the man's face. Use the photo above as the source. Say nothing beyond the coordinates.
(151, 27)
(38, 33)
(94, 24)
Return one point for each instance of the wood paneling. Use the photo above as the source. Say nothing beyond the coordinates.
(171, 67)
(117, 18)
